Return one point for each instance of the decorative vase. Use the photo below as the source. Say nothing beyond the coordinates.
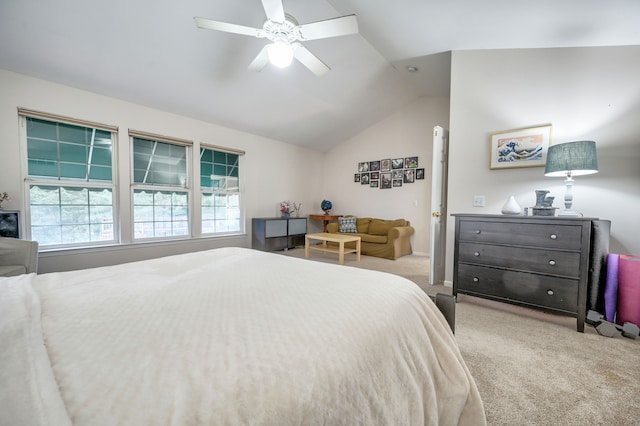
(511, 206)
(286, 215)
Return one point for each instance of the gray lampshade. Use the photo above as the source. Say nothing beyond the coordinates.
(575, 158)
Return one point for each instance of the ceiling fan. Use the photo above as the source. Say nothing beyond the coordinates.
(285, 33)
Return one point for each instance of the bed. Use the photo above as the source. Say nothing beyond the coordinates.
(225, 337)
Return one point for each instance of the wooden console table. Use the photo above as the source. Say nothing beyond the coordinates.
(341, 239)
(325, 218)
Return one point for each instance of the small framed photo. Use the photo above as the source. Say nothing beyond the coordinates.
(364, 178)
(356, 177)
(419, 174)
(397, 183)
(374, 166)
(375, 183)
(385, 180)
(397, 174)
(411, 162)
(363, 167)
(397, 163)
(374, 175)
(409, 176)
(520, 148)
(385, 165)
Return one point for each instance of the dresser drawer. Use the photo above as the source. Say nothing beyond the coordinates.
(528, 259)
(531, 289)
(524, 234)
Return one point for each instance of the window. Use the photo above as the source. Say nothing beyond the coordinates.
(71, 182)
(160, 189)
(220, 191)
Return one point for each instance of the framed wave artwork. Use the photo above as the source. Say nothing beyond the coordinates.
(520, 147)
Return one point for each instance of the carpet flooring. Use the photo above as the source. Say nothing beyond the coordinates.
(531, 367)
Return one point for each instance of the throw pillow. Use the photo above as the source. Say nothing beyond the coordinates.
(347, 224)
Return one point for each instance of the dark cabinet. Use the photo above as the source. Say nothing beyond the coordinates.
(540, 262)
(275, 233)
(10, 223)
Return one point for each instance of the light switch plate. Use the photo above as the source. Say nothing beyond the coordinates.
(478, 201)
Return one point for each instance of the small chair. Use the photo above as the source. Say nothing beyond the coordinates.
(18, 257)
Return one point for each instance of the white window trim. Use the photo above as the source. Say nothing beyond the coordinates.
(240, 192)
(23, 114)
(188, 188)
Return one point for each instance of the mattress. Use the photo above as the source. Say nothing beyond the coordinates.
(224, 337)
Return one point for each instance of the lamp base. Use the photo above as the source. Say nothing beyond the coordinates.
(568, 197)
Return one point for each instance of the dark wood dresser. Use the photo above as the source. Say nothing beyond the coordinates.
(539, 262)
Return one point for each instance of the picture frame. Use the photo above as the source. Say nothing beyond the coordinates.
(397, 174)
(375, 183)
(364, 178)
(419, 174)
(385, 180)
(397, 163)
(409, 176)
(356, 178)
(374, 166)
(374, 175)
(526, 147)
(397, 183)
(411, 163)
(385, 165)
(363, 167)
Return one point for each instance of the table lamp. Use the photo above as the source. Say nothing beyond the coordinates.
(571, 159)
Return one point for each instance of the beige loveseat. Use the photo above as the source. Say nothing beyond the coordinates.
(382, 238)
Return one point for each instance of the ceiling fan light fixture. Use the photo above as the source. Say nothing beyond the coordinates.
(280, 53)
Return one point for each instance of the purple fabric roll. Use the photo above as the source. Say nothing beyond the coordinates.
(611, 288)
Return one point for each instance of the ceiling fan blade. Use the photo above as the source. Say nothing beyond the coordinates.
(209, 24)
(309, 60)
(274, 10)
(260, 61)
(344, 25)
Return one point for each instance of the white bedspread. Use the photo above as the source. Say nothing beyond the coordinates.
(225, 337)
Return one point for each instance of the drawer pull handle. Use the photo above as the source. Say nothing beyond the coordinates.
(550, 292)
(476, 254)
(476, 279)
(478, 231)
(552, 262)
(553, 237)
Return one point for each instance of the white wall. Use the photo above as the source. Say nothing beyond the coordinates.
(272, 171)
(585, 94)
(409, 132)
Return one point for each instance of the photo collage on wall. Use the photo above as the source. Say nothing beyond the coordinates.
(389, 173)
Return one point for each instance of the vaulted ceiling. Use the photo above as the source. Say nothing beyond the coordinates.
(150, 52)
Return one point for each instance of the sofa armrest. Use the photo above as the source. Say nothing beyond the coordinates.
(400, 231)
(333, 227)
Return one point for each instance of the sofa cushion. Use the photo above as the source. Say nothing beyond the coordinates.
(347, 224)
(363, 225)
(381, 227)
(378, 239)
